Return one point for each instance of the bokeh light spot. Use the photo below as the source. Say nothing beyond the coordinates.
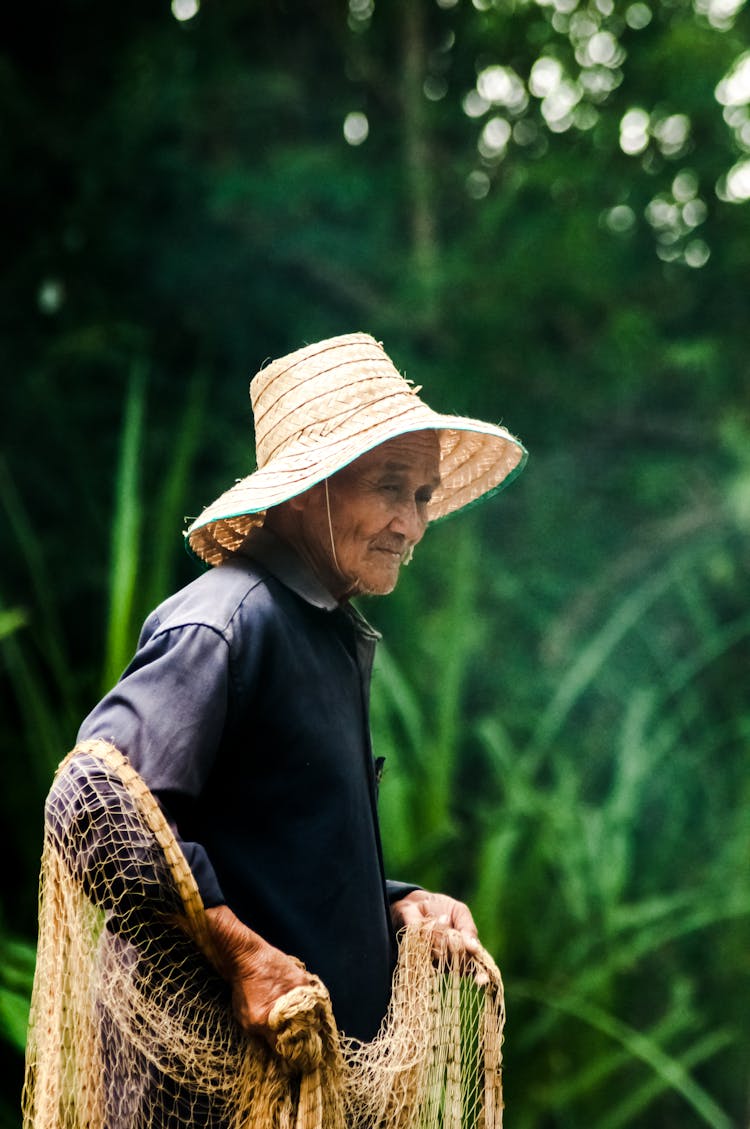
(738, 183)
(494, 138)
(663, 213)
(620, 219)
(558, 106)
(477, 184)
(685, 185)
(50, 295)
(634, 129)
(638, 16)
(734, 88)
(356, 127)
(435, 87)
(546, 75)
(697, 253)
(526, 132)
(585, 116)
(184, 10)
(603, 48)
(599, 82)
(719, 13)
(694, 213)
(672, 133)
(501, 86)
(360, 14)
(474, 105)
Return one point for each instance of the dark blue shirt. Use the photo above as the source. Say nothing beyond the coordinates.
(245, 709)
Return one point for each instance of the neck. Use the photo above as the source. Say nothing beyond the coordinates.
(286, 522)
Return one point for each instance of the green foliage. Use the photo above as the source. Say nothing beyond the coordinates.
(16, 976)
(136, 586)
(600, 871)
(49, 698)
(126, 528)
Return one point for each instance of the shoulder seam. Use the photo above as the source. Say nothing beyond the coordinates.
(166, 630)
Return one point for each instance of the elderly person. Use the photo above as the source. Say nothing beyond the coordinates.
(245, 708)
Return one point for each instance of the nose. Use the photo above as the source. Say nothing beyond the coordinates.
(408, 521)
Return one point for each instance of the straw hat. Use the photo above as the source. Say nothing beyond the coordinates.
(321, 407)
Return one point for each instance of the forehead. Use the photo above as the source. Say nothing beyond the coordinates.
(417, 452)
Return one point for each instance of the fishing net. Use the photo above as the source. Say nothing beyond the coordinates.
(132, 1027)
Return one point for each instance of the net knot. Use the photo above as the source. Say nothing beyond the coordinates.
(303, 1028)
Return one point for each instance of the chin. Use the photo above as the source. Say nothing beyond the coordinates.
(374, 586)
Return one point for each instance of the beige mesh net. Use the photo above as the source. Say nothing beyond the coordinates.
(132, 1027)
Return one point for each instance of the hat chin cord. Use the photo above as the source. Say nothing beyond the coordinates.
(336, 564)
(330, 530)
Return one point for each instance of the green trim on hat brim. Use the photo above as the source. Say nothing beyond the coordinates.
(484, 496)
(447, 423)
(509, 478)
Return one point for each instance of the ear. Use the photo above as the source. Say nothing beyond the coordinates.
(302, 502)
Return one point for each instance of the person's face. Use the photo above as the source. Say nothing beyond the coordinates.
(378, 513)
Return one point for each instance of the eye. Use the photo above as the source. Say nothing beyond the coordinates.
(423, 497)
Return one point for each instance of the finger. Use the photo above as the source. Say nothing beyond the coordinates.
(471, 942)
(411, 913)
(462, 919)
(454, 943)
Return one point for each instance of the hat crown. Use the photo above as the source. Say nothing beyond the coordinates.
(306, 396)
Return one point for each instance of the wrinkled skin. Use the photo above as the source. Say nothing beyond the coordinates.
(378, 513)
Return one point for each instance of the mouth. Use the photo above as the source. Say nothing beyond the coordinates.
(393, 552)
(390, 551)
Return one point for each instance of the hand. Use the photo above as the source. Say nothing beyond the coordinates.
(453, 928)
(258, 973)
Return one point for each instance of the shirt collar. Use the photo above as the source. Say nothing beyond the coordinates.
(283, 562)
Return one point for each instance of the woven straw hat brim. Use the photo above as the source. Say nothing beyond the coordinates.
(476, 459)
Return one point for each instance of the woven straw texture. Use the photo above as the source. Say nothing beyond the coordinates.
(132, 1028)
(321, 407)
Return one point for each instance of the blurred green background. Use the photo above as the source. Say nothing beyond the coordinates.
(542, 209)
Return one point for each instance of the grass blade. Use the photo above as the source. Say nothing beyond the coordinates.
(671, 1072)
(125, 533)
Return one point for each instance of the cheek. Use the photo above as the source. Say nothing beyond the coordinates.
(362, 527)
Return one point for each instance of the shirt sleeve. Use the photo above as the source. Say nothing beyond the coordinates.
(167, 715)
(396, 890)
